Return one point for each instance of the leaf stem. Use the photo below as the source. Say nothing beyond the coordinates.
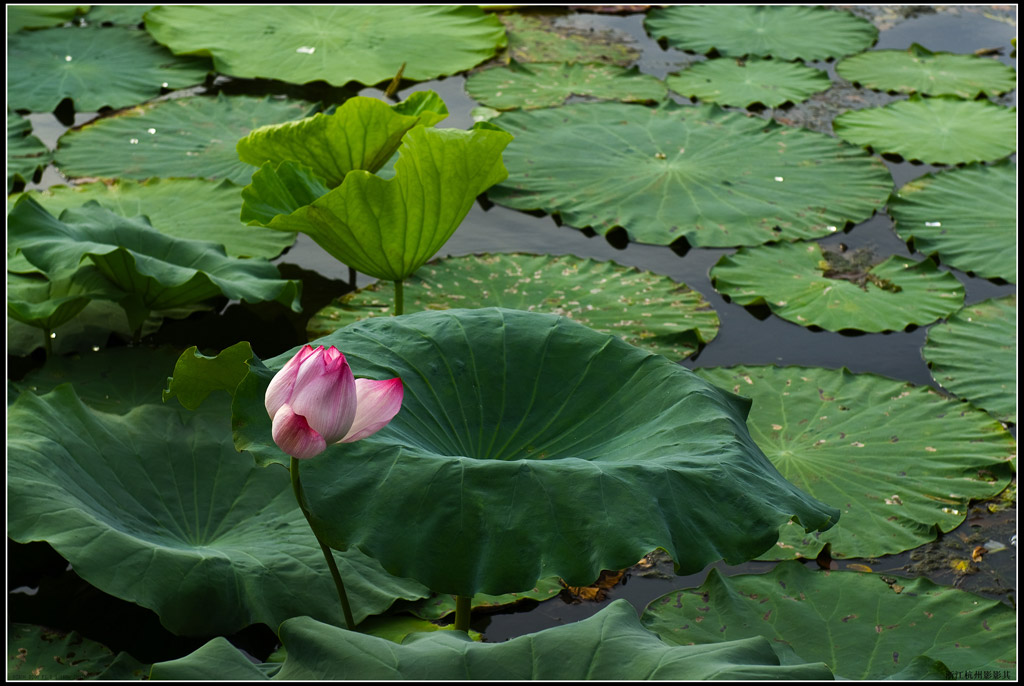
(328, 555)
(48, 343)
(399, 298)
(463, 605)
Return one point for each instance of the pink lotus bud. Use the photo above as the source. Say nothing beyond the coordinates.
(314, 401)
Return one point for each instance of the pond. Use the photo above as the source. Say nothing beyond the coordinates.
(45, 591)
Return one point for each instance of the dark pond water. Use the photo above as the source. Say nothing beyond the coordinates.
(744, 338)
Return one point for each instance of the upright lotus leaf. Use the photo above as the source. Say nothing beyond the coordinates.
(157, 272)
(94, 66)
(741, 83)
(548, 84)
(863, 626)
(41, 16)
(645, 309)
(26, 154)
(974, 355)
(783, 32)
(38, 653)
(332, 43)
(812, 286)
(965, 216)
(713, 177)
(942, 130)
(46, 304)
(155, 507)
(211, 213)
(511, 418)
(902, 462)
(384, 228)
(361, 134)
(919, 70)
(611, 645)
(192, 137)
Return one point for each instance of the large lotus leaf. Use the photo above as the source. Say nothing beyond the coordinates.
(974, 355)
(918, 70)
(965, 216)
(809, 286)
(942, 130)
(384, 228)
(332, 43)
(38, 653)
(440, 605)
(158, 272)
(45, 304)
(200, 535)
(210, 213)
(901, 462)
(41, 16)
(863, 626)
(716, 178)
(611, 645)
(90, 329)
(184, 137)
(94, 66)
(26, 154)
(547, 84)
(117, 15)
(740, 83)
(644, 309)
(530, 446)
(783, 32)
(363, 133)
(547, 37)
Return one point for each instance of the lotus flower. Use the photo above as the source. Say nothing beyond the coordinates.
(315, 401)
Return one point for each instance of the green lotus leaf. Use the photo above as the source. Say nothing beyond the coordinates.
(157, 272)
(741, 83)
(540, 37)
(89, 329)
(441, 605)
(546, 84)
(26, 154)
(942, 130)
(512, 417)
(199, 534)
(118, 15)
(974, 355)
(94, 66)
(363, 133)
(184, 137)
(965, 216)
(579, 651)
(335, 43)
(47, 304)
(901, 462)
(41, 16)
(713, 177)
(918, 70)
(384, 228)
(863, 626)
(812, 286)
(211, 213)
(783, 32)
(645, 309)
(38, 653)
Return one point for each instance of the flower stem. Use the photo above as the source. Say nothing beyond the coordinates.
(328, 555)
(463, 604)
(399, 297)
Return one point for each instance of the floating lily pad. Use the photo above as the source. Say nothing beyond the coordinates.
(783, 32)
(41, 16)
(332, 43)
(644, 309)
(547, 84)
(540, 37)
(581, 650)
(965, 216)
(942, 130)
(901, 462)
(918, 70)
(716, 178)
(810, 286)
(974, 355)
(185, 137)
(118, 15)
(41, 654)
(94, 66)
(863, 626)
(740, 83)
(26, 154)
(211, 213)
(510, 418)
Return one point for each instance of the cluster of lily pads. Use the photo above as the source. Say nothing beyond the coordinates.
(547, 431)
